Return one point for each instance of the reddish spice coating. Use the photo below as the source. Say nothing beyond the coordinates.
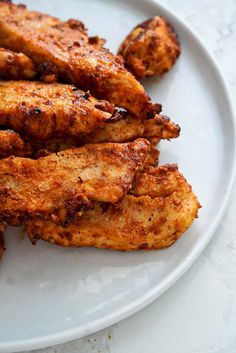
(152, 48)
(162, 206)
(59, 185)
(41, 111)
(11, 143)
(16, 66)
(47, 39)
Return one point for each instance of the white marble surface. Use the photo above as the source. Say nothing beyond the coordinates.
(198, 314)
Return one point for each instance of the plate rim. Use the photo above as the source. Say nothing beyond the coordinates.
(181, 269)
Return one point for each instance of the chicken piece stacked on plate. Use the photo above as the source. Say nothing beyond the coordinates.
(78, 141)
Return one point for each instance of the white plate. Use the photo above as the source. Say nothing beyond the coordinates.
(50, 295)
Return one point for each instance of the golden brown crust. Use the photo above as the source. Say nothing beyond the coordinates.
(136, 222)
(57, 186)
(16, 66)
(126, 129)
(130, 128)
(89, 66)
(45, 148)
(11, 143)
(152, 48)
(79, 26)
(3, 227)
(155, 182)
(152, 158)
(42, 111)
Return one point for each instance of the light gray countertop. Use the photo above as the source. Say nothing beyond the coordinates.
(198, 314)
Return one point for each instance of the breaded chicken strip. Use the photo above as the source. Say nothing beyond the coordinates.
(47, 40)
(127, 129)
(139, 221)
(45, 148)
(131, 127)
(152, 48)
(16, 66)
(41, 111)
(57, 186)
(3, 227)
(11, 143)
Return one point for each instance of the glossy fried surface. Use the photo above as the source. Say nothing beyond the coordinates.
(152, 48)
(57, 186)
(41, 111)
(2, 229)
(136, 222)
(11, 143)
(76, 60)
(16, 66)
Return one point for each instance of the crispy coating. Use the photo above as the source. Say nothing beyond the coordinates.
(130, 128)
(155, 182)
(45, 148)
(97, 42)
(16, 66)
(73, 24)
(152, 48)
(127, 129)
(42, 111)
(57, 186)
(11, 143)
(152, 158)
(136, 222)
(3, 227)
(89, 66)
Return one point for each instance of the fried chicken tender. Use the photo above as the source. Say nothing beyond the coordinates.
(124, 130)
(152, 48)
(131, 127)
(153, 217)
(45, 148)
(49, 41)
(57, 186)
(127, 129)
(16, 66)
(42, 111)
(11, 143)
(3, 227)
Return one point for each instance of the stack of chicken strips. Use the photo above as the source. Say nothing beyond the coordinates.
(79, 164)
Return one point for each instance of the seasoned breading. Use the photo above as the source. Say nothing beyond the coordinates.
(47, 40)
(3, 227)
(152, 48)
(57, 186)
(131, 127)
(41, 111)
(152, 158)
(45, 148)
(127, 129)
(155, 182)
(16, 66)
(11, 143)
(136, 222)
